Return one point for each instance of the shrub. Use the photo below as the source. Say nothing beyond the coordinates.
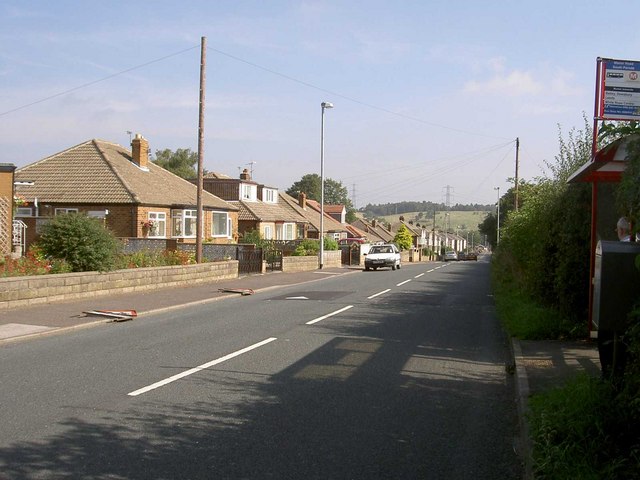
(254, 237)
(330, 244)
(82, 242)
(403, 238)
(151, 258)
(307, 247)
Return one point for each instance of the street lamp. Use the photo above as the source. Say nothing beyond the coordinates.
(324, 106)
(498, 227)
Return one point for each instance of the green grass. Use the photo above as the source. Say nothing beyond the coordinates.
(522, 317)
(585, 429)
(461, 220)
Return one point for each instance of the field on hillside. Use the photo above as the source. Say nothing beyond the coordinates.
(459, 220)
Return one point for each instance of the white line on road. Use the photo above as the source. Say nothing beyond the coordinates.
(379, 293)
(402, 283)
(419, 275)
(429, 271)
(200, 368)
(311, 322)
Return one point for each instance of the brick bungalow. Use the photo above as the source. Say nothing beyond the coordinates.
(133, 196)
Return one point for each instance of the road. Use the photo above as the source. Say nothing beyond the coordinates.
(370, 375)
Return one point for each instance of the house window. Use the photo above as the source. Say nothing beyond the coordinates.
(289, 229)
(221, 225)
(285, 231)
(248, 192)
(184, 223)
(23, 212)
(62, 211)
(268, 232)
(157, 224)
(101, 214)
(269, 195)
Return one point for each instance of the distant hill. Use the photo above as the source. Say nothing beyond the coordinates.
(427, 208)
(460, 221)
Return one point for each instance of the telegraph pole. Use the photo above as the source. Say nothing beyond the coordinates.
(200, 219)
(517, 186)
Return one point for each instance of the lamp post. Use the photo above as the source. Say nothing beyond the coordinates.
(498, 227)
(324, 106)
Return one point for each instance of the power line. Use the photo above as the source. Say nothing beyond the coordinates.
(108, 77)
(350, 99)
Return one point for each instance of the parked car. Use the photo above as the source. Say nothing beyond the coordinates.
(471, 256)
(384, 255)
(450, 256)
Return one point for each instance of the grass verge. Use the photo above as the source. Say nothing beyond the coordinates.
(586, 429)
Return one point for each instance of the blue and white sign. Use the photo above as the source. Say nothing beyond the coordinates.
(620, 90)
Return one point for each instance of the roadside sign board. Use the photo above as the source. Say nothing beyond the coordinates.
(619, 90)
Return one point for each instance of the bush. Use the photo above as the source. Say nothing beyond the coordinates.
(330, 244)
(254, 237)
(307, 247)
(403, 238)
(82, 242)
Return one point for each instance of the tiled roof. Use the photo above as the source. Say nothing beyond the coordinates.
(102, 172)
(378, 230)
(334, 208)
(268, 212)
(217, 176)
(312, 214)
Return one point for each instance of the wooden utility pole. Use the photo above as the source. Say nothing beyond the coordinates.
(517, 182)
(200, 218)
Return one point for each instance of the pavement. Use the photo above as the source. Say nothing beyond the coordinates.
(539, 365)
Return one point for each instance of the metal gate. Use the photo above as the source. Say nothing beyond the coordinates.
(19, 234)
(350, 254)
(249, 260)
(273, 258)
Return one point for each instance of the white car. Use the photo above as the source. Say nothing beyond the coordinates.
(450, 255)
(384, 255)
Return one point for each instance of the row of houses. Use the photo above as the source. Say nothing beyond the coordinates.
(138, 199)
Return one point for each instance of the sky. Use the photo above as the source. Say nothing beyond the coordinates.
(429, 96)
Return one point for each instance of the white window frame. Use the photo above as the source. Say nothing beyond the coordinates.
(285, 231)
(159, 229)
(227, 223)
(23, 212)
(248, 192)
(180, 220)
(268, 232)
(63, 211)
(269, 195)
(100, 214)
(289, 231)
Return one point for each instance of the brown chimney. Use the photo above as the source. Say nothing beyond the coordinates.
(302, 199)
(140, 151)
(245, 175)
(373, 223)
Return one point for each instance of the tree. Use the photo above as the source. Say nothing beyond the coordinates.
(544, 246)
(403, 238)
(309, 184)
(182, 162)
(334, 192)
(83, 242)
